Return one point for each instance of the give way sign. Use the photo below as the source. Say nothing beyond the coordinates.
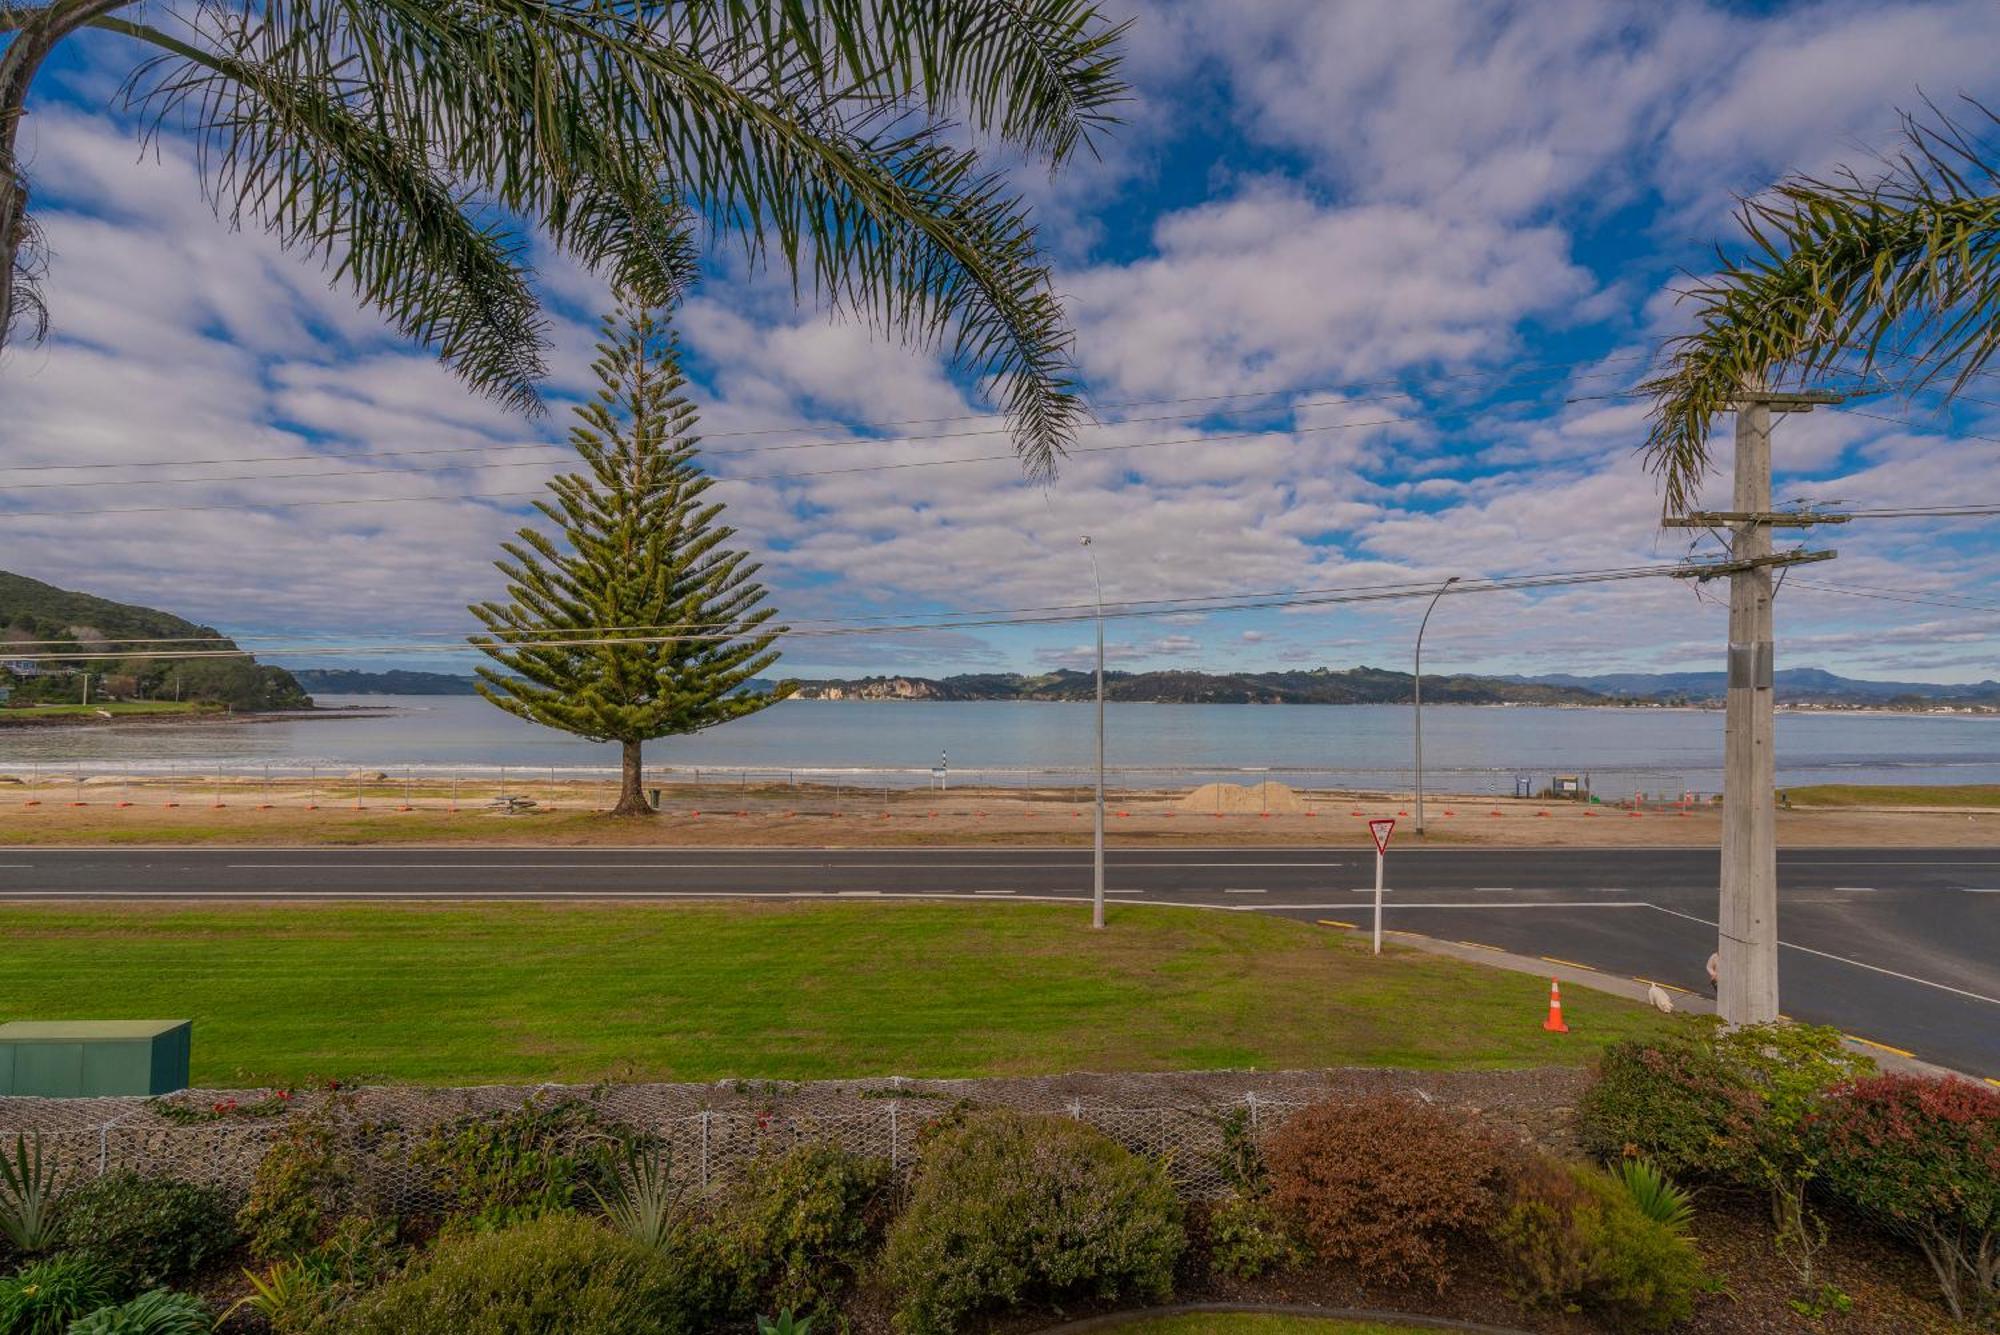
(1380, 829)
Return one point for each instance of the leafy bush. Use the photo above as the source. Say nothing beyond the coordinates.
(560, 1272)
(804, 1224)
(643, 1203)
(159, 1312)
(1247, 1240)
(27, 1196)
(1009, 1208)
(1385, 1182)
(1923, 1157)
(146, 1232)
(1658, 1196)
(1675, 1100)
(542, 1157)
(43, 1298)
(1576, 1240)
(302, 1183)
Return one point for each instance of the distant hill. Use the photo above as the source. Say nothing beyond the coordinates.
(1806, 685)
(1312, 686)
(395, 681)
(33, 611)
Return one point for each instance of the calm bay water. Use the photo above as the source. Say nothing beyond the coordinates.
(1465, 747)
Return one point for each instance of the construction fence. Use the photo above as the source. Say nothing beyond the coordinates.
(708, 1133)
(844, 792)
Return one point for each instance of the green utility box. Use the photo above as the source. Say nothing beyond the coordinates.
(82, 1059)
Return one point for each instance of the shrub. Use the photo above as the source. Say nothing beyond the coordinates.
(1673, 1099)
(43, 1298)
(1247, 1240)
(159, 1312)
(27, 1196)
(1009, 1208)
(804, 1224)
(1658, 1196)
(302, 1183)
(542, 1157)
(1576, 1240)
(560, 1272)
(146, 1232)
(1385, 1182)
(644, 1203)
(1923, 1157)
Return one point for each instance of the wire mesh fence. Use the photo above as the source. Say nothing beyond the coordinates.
(1257, 792)
(710, 1133)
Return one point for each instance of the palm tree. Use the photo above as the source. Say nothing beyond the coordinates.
(1904, 266)
(402, 143)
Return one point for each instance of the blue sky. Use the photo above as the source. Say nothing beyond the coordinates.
(1482, 207)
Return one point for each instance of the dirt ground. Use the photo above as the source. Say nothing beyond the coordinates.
(382, 809)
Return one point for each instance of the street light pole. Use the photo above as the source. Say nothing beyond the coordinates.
(1097, 816)
(1417, 681)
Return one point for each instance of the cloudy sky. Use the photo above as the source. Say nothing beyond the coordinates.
(1421, 246)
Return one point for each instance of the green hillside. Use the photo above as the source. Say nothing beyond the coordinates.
(33, 611)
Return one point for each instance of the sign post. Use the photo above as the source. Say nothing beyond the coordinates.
(1379, 830)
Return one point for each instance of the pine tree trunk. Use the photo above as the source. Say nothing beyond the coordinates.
(631, 798)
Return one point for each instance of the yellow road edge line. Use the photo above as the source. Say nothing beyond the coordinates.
(1654, 982)
(1335, 922)
(1571, 964)
(1991, 1081)
(1481, 945)
(1871, 1043)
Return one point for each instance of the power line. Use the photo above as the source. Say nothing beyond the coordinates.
(748, 477)
(1893, 597)
(1524, 375)
(1363, 594)
(949, 617)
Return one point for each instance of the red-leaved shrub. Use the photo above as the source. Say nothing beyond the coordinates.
(1388, 1183)
(1923, 1157)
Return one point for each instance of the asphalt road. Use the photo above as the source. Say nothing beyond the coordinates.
(1901, 946)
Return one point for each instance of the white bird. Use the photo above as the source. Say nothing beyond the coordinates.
(1658, 996)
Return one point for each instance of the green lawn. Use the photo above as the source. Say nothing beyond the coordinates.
(1895, 795)
(1246, 1323)
(520, 992)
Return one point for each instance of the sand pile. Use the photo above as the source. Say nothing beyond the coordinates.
(1275, 798)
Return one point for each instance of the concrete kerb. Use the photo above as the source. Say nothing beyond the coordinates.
(1114, 1320)
(1632, 989)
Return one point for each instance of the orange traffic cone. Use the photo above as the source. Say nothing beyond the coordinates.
(1554, 1024)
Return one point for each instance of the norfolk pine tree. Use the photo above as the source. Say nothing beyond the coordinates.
(641, 623)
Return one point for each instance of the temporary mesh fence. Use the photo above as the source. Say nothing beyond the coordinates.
(709, 1133)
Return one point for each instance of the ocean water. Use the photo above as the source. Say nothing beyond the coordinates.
(1467, 748)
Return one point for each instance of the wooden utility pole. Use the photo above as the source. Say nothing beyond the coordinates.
(1746, 984)
(1747, 957)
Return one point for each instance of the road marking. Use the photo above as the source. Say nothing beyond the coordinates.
(1654, 982)
(1980, 890)
(1991, 1081)
(1842, 959)
(1124, 892)
(1481, 945)
(1246, 892)
(1492, 889)
(1871, 1043)
(1334, 922)
(1853, 889)
(1571, 964)
(1369, 890)
(858, 894)
(992, 892)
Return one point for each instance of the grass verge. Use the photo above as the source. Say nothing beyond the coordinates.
(528, 992)
(1895, 795)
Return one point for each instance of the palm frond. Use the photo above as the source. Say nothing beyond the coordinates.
(1904, 265)
(560, 111)
(358, 194)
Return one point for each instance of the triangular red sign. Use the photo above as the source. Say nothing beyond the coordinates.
(1380, 829)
